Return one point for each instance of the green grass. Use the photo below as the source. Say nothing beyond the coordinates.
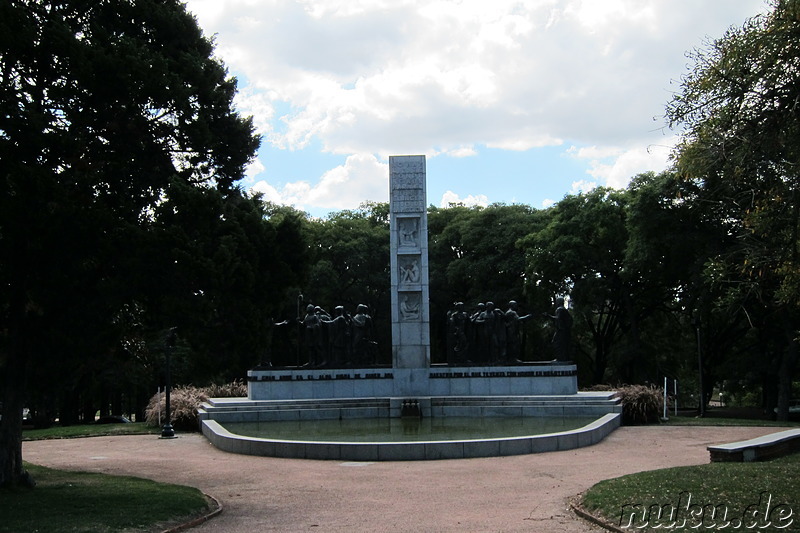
(714, 421)
(78, 502)
(89, 430)
(740, 489)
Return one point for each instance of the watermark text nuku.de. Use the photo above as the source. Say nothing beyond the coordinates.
(687, 514)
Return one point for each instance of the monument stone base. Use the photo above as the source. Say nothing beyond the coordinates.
(532, 379)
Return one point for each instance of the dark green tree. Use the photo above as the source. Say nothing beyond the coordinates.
(627, 259)
(230, 268)
(474, 258)
(738, 108)
(581, 253)
(109, 110)
(349, 265)
(672, 234)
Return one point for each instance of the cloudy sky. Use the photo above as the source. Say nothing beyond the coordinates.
(511, 101)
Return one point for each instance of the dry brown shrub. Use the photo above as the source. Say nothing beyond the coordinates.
(184, 401)
(641, 404)
(235, 389)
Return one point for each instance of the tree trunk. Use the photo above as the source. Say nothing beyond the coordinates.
(11, 471)
(787, 368)
(13, 391)
(600, 364)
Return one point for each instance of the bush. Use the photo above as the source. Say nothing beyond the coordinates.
(235, 389)
(185, 400)
(640, 404)
(600, 387)
(183, 405)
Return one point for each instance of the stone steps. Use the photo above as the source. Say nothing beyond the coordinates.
(525, 400)
(226, 404)
(234, 404)
(243, 410)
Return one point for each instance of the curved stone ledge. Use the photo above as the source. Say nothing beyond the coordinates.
(411, 451)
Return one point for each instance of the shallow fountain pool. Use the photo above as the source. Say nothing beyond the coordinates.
(406, 430)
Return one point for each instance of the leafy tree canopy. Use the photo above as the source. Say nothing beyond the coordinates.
(109, 111)
(739, 110)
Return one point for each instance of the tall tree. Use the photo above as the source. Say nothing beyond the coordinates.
(739, 111)
(581, 253)
(229, 268)
(350, 266)
(108, 108)
(474, 258)
(606, 250)
(672, 234)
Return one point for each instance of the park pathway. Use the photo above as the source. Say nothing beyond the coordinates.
(525, 493)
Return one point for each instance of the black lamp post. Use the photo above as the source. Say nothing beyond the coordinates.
(696, 322)
(299, 329)
(167, 432)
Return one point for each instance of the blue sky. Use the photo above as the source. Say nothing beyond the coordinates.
(511, 101)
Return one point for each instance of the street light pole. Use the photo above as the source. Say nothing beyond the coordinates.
(167, 432)
(696, 321)
(299, 339)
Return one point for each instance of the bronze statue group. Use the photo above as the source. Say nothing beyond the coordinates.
(340, 340)
(485, 336)
(491, 336)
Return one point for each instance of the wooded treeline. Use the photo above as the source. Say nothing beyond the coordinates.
(638, 266)
(121, 216)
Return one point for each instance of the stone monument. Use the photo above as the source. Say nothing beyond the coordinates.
(412, 387)
(412, 378)
(411, 345)
(409, 262)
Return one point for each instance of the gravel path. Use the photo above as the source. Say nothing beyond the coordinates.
(521, 493)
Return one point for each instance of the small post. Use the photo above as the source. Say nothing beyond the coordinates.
(299, 330)
(666, 416)
(167, 431)
(675, 394)
(696, 321)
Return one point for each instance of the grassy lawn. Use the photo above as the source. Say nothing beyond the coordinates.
(89, 430)
(79, 502)
(762, 496)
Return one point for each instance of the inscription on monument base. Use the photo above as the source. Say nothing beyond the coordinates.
(407, 200)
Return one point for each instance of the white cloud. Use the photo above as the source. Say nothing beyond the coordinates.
(628, 165)
(594, 152)
(415, 76)
(350, 69)
(602, 16)
(361, 178)
(582, 186)
(361, 78)
(462, 152)
(614, 166)
(255, 168)
(269, 192)
(471, 200)
(258, 105)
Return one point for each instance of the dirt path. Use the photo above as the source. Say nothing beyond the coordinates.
(522, 493)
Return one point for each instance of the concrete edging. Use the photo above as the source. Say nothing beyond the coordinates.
(410, 451)
(200, 519)
(758, 449)
(578, 509)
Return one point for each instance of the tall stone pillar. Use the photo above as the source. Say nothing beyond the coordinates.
(411, 345)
